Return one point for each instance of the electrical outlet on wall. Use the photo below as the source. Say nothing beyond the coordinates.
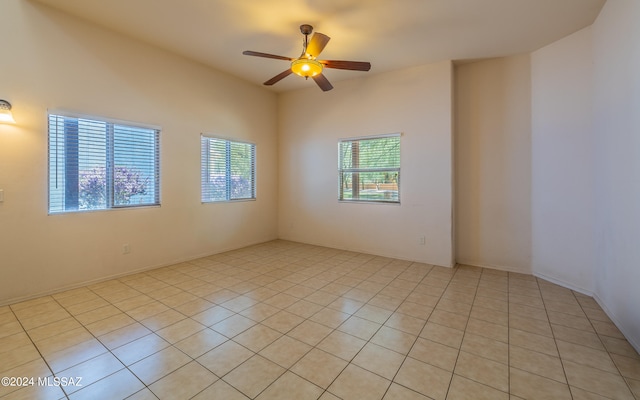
(126, 248)
(421, 240)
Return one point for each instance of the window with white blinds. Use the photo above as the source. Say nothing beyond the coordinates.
(369, 169)
(228, 170)
(96, 164)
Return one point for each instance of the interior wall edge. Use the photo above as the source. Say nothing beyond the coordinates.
(490, 266)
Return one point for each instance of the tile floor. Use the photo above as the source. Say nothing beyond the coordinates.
(284, 320)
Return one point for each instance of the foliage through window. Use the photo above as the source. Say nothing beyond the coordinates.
(96, 164)
(369, 169)
(228, 170)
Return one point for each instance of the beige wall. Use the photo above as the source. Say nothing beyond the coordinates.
(415, 102)
(563, 162)
(493, 163)
(616, 124)
(52, 61)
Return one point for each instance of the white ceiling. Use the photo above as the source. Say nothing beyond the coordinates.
(391, 34)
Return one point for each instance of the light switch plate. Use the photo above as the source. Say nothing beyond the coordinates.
(1, 195)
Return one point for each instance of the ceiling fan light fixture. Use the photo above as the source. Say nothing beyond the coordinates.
(306, 67)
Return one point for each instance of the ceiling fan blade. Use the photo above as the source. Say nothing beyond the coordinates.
(323, 82)
(350, 65)
(278, 77)
(316, 44)
(265, 55)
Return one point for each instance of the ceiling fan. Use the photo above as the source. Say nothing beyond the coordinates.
(307, 65)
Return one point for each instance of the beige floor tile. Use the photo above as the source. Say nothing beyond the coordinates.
(180, 330)
(233, 325)
(61, 341)
(257, 337)
(532, 325)
(581, 394)
(140, 348)
(442, 334)
(159, 364)
(162, 320)
(415, 310)
(254, 375)
(119, 385)
(201, 342)
(309, 332)
(342, 345)
(285, 351)
(184, 382)
(571, 321)
(607, 329)
(629, 367)
(537, 363)
(260, 312)
(555, 335)
(528, 312)
(534, 387)
(434, 353)
(424, 378)
(124, 335)
(465, 389)
(36, 392)
(147, 311)
(531, 341)
(379, 360)
(394, 339)
(597, 381)
(304, 309)
(483, 370)
(225, 357)
(212, 315)
(485, 347)
(586, 356)
(329, 317)
(619, 346)
(589, 339)
(397, 392)
(634, 385)
(489, 315)
(76, 354)
(283, 321)
(356, 383)
(291, 386)
(449, 319)
(373, 313)
(346, 305)
(488, 330)
(405, 323)
(91, 371)
(220, 390)
(319, 367)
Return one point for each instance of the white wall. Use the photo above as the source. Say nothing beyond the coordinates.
(562, 162)
(617, 162)
(52, 61)
(417, 103)
(493, 163)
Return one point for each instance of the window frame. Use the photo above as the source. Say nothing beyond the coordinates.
(109, 162)
(228, 142)
(356, 171)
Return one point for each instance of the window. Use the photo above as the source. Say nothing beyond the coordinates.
(96, 164)
(369, 169)
(228, 170)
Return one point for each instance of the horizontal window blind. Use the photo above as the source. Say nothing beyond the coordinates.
(369, 169)
(96, 165)
(227, 170)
